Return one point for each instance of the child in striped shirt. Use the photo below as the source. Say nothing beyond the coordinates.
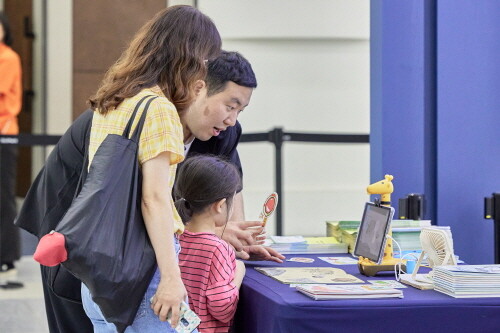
(204, 193)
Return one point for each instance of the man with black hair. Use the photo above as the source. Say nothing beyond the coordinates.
(229, 85)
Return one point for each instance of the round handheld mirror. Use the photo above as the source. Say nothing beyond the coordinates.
(269, 207)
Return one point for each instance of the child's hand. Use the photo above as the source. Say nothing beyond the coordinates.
(239, 274)
(240, 267)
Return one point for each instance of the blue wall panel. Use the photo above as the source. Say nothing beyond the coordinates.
(398, 95)
(468, 129)
(435, 110)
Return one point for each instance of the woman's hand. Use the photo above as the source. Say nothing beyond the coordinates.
(166, 303)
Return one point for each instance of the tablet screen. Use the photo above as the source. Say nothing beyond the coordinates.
(371, 235)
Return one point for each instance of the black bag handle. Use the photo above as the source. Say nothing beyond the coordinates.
(84, 172)
(126, 131)
(138, 129)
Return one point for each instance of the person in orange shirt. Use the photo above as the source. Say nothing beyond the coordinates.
(10, 106)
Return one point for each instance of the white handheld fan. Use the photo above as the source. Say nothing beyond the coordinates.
(437, 245)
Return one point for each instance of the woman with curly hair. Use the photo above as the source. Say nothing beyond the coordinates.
(167, 60)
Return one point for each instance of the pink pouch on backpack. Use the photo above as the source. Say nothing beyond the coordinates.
(51, 249)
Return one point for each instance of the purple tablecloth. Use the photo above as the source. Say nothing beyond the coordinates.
(268, 306)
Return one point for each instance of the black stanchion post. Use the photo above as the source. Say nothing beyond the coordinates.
(496, 227)
(276, 137)
(492, 211)
(496, 230)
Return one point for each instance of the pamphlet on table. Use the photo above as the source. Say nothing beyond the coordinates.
(329, 292)
(306, 275)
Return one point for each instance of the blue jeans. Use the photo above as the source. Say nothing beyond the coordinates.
(145, 319)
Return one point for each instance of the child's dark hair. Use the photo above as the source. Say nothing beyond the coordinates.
(203, 180)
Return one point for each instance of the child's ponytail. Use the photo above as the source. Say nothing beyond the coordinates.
(184, 209)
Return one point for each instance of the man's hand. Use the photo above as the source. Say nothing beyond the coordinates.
(259, 252)
(242, 233)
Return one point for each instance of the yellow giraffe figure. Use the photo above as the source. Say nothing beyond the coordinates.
(366, 266)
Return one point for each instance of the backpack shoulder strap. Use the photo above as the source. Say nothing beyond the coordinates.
(84, 171)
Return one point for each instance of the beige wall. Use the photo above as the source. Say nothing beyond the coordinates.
(38, 153)
(59, 65)
(311, 59)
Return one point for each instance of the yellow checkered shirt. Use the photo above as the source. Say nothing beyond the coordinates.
(162, 132)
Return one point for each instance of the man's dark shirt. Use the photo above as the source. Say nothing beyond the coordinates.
(223, 145)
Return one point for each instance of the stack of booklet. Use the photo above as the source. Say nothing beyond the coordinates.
(328, 292)
(344, 231)
(468, 280)
(405, 232)
(311, 245)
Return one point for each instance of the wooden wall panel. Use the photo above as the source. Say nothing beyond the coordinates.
(20, 15)
(102, 29)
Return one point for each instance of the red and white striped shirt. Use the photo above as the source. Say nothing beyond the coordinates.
(208, 266)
